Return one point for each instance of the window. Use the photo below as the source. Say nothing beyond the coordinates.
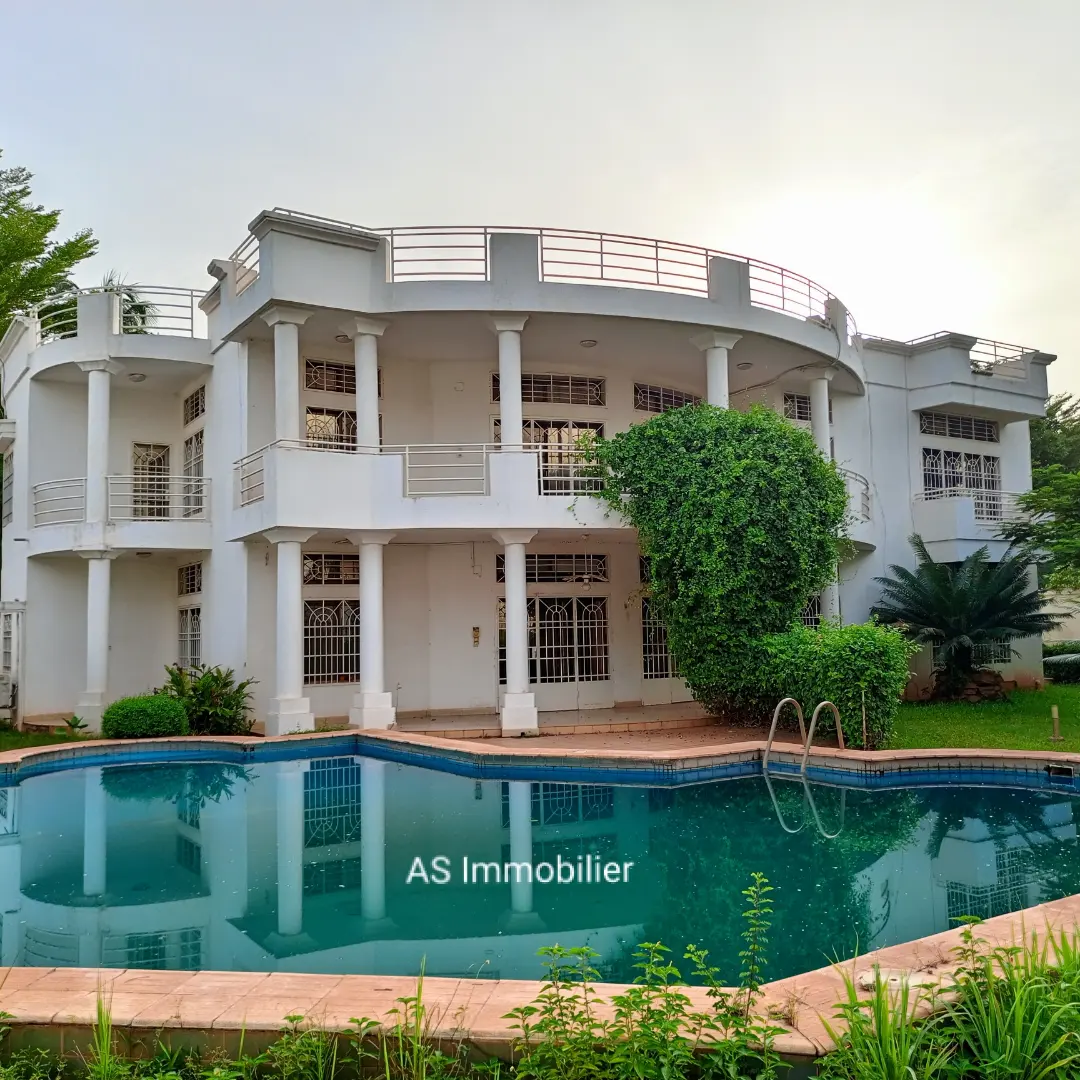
(557, 389)
(564, 804)
(190, 638)
(948, 472)
(658, 399)
(565, 469)
(986, 653)
(1010, 893)
(331, 428)
(145, 951)
(189, 579)
(188, 855)
(331, 569)
(331, 802)
(811, 614)
(955, 426)
(7, 503)
(172, 950)
(329, 375)
(656, 660)
(193, 475)
(194, 405)
(797, 407)
(150, 485)
(331, 641)
(568, 639)
(558, 568)
(189, 809)
(7, 638)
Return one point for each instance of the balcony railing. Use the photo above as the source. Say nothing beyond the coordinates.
(445, 469)
(990, 506)
(570, 256)
(566, 470)
(129, 498)
(142, 309)
(858, 489)
(60, 502)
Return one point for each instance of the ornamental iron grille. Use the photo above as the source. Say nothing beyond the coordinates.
(568, 639)
(330, 376)
(331, 429)
(659, 399)
(811, 614)
(565, 467)
(194, 405)
(656, 659)
(552, 569)
(1010, 893)
(189, 579)
(331, 641)
(331, 569)
(332, 875)
(985, 653)
(331, 802)
(955, 426)
(150, 486)
(557, 389)
(193, 475)
(945, 471)
(189, 638)
(564, 804)
(7, 640)
(797, 407)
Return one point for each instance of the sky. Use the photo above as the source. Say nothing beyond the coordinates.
(919, 158)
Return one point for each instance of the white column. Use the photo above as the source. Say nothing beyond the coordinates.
(521, 891)
(91, 702)
(509, 328)
(365, 334)
(289, 709)
(518, 714)
(373, 705)
(290, 846)
(98, 391)
(94, 831)
(715, 344)
(286, 323)
(819, 426)
(372, 839)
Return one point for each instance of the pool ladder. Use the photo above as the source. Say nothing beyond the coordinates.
(808, 739)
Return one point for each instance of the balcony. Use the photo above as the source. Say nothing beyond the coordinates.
(138, 309)
(956, 521)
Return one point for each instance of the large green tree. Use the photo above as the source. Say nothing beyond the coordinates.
(34, 266)
(1055, 438)
(1051, 523)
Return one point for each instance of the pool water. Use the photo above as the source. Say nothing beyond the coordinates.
(348, 864)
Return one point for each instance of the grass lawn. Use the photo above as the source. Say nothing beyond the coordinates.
(16, 740)
(1021, 723)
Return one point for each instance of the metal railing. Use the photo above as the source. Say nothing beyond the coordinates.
(444, 468)
(251, 477)
(858, 489)
(246, 261)
(990, 505)
(156, 498)
(143, 309)
(60, 502)
(566, 470)
(987, 357)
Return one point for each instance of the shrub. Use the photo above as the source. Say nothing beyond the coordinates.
(147, 716)
(1060, 648)
(1063, 669)
(215, 703)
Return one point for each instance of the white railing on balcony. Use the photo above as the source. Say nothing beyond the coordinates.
(142, 309)
(445, 468)
(566, 470)
(986, 357)
(251, 477)
(990, 506)
(60, 502)
(155, 498)
(246, 260)
(858, 489)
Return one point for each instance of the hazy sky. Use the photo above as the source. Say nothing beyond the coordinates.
(920, 158)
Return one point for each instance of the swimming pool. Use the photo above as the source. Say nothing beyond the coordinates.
(346, 863)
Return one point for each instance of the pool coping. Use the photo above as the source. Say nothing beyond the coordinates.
(60, 1003)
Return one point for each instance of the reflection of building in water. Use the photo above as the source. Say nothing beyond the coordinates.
(958, 866)
(304, 867)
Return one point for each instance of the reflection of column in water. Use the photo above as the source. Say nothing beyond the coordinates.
(290, 846)
(372, 839)
(10, 879)
(521, 890)
(94, 826)
(226, 829)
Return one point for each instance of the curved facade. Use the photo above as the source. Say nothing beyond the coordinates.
(350, 473)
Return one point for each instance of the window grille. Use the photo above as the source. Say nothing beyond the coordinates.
(558, 568)
(811, 614)
(564, 804)
(331, 429)
(1010, 893)
(568, 639)
(564, 468)
(331, 802)
(194, 405)
(955, 426)
(797, 407)
(334, 875)
(331, 641)
(193, 474)
(188, 855)
(986, 653)
(7, 502)
(189, 810)
(171, 950)
(557, 389)
(656, 659)
(330, 376)
(6, 641)
(150, 487)
(644, 570)
(948, 470)
(190, 638)
(48, 948)
(189, 579)
(331, 569)
(658, 399)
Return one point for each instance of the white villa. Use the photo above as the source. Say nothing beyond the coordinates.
(348, 471)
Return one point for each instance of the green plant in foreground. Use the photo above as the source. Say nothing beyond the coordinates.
(146, 716)
(215, 703)
(303, 1053)
(75, 724)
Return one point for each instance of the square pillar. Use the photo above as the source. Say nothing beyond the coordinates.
(508, 328)
(518, 715)
(716, 344)
(373, 706)
(286, 323)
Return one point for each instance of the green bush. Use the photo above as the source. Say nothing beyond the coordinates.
(1060, 648)
(1063, 669)
(215, 703)
(147, 716)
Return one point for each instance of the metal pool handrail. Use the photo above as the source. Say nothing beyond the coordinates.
(813, 725)
(772, 729)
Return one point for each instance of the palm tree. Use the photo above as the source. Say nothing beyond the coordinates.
(137, 314)
(957, 606)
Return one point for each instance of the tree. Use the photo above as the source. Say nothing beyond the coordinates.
(955, 607)
(1051, 523)
(33, 266)
(1055, 439)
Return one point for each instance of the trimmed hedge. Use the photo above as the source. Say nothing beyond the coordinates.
(1060, 648)
(1063, 669)
(147, 716)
